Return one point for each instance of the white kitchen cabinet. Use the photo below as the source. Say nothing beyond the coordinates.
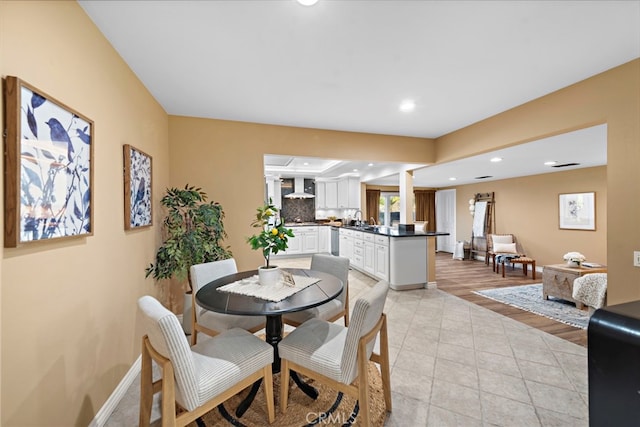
(331, 195)
(369, 261)
(349, 193)
(321, 199)
(324, 239)
(294, 245)
(357, 260)
(305, 240)
(381, 254)
(309, 237)
(346, 243)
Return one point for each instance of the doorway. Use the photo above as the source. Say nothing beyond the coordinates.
(446, 219)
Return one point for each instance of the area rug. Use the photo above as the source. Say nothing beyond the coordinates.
(529, 298)
(331, 408)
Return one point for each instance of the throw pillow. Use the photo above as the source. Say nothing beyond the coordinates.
(505, 238)
(505, 248)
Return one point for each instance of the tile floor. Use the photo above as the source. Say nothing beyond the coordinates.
(457, 364)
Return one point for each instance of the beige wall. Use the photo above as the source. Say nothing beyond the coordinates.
(68, 308)
(612, 97)
(528, 208)
(226, 159)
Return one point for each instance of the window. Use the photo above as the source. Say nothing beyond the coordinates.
(390, 209)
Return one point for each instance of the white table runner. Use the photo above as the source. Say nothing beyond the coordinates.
(275, 293)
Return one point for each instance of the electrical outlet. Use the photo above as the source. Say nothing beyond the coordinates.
(636, 258)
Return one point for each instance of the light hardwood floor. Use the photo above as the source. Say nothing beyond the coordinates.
(461, 278)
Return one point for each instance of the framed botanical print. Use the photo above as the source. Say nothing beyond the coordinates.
(138, 209)
(48, 167)
(577, 211)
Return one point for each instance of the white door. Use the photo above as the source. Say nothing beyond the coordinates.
(446, 219)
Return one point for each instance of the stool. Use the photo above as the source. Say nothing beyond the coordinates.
(525, 261)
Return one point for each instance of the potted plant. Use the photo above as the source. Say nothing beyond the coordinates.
(271, 239)
(193, 232)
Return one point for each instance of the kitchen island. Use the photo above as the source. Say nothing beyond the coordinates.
(404, 258)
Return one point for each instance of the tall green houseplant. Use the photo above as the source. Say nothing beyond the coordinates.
(193, 233)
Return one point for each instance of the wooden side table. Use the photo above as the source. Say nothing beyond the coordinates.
(557, 280)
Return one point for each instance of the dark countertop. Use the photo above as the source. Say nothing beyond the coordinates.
(394, 232)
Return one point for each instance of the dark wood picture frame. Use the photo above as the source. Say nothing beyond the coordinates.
(138, 194)
(48, 160)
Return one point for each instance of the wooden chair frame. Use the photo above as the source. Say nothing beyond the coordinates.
(359, 388)
(172, 413)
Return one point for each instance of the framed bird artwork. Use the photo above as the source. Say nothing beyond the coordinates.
(48, 167)
(138, 209)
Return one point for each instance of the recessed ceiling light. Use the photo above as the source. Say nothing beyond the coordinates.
(307, 2)
(407, 106)
(496, 159)
(370, 164)
(355, 170)
(306, 163)
(453, 178)
(551, 163)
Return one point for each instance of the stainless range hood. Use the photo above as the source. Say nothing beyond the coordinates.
(298, 191)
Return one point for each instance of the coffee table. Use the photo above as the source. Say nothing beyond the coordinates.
(557, 280)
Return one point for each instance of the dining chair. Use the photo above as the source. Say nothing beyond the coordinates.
(209, 322)
(337, 355)
(197, 379)
(337, 307)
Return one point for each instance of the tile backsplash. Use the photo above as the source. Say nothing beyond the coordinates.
(302, 209)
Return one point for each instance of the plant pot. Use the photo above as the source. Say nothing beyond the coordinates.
(269, 276)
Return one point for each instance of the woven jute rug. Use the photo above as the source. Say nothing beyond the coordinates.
(331, 408)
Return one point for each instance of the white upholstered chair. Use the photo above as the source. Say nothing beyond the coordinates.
(337, 355)
(590, 290)
(199, 378)
(337, 307)
(209, 322)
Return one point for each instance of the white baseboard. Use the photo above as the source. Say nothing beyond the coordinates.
(110, 405)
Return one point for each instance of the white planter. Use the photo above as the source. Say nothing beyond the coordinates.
(269, 276)
(573, 264)
(187, 313)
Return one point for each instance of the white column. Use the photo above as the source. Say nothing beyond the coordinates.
(406, 197)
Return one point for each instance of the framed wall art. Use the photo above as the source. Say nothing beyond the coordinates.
(138, 210)
(578, 211)
(48, 167)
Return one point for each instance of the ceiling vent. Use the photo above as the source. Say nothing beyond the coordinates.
(564, 165)
(298, 191)
(483, 177)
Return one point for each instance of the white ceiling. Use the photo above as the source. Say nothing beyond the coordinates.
(346, 65)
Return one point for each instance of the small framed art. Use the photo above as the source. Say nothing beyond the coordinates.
(577, 211)
(138, 209)
(48, 167)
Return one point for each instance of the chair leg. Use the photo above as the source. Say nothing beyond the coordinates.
(503, 263)
(384, 364)
(533, 270)
(268, 393)
(363, 388)
(146, 387)
(284, 385)
(168, 396)
(194, 332)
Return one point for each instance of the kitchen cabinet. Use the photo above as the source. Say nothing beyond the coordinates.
(324, 239)
(357, 260)
(321, 199)
(304, 241)
(381, 257)
(309, 237)
(349, 193)
(331, 195)
(346, 243)
(369, 261)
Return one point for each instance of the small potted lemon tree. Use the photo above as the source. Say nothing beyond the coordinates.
(272, 238)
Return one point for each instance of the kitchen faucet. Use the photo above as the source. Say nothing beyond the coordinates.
(355, 216)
